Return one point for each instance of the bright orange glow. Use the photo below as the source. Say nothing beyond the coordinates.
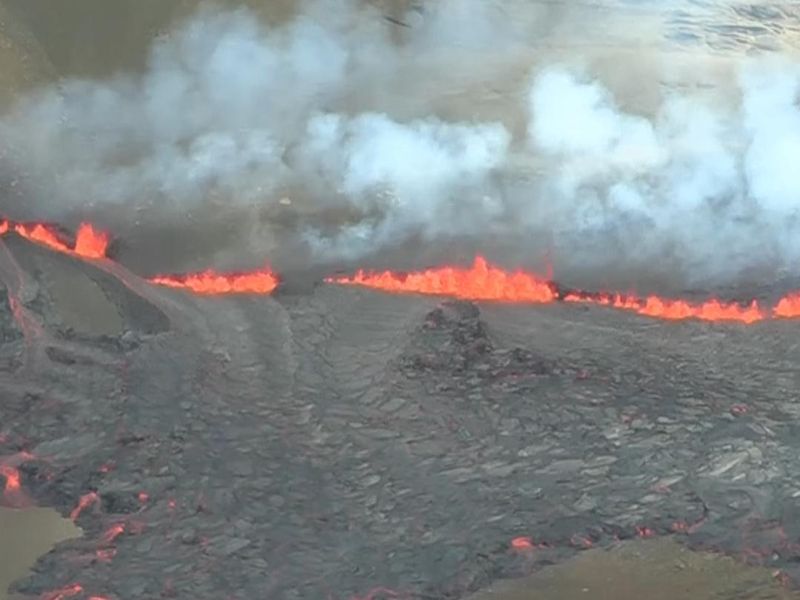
(482, 281)
(788, 307)
(85, 502)
(662, 308)
(65, 592)
(90, 243)
(213, 283)
(113, 532)
(487, 282)
(41, 234)
(12, 477)
(522, 543)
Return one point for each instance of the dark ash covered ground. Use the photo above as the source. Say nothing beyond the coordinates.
(327, 441)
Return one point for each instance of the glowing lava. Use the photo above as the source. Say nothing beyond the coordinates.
(41, 234)
(89, 242)
(213, 283)
(66, 592)
(11, 475)
(113, 532)
(663, 308)
(482, 281)
(788, 307)
(84, 502)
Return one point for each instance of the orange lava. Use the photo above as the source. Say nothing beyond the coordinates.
(84, 502)
(663, 308)
(522, 543)
(41, 234)
(90, 243)
(482, 281)
(788, 307)
(11, 475)
(113, 532)
(213, 283)
(65, 592)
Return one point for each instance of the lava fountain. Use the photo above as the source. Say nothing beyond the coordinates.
(89, 242)
(483, 281)
(213, 283)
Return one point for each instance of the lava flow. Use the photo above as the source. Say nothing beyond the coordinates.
(212, 283)
(89, 242)
(482, 281)
(662, 308)
(788, 307)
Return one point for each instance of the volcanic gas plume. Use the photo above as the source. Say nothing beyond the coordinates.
(338, 114)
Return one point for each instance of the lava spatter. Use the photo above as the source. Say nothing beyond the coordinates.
(90, 242)
(211, 282)
(481, 281)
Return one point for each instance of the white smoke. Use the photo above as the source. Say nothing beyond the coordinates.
(333, 109)
(710, 188)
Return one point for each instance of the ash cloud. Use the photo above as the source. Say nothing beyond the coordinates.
(350, 118)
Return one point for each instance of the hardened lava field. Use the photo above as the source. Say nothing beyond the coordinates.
(330, 442)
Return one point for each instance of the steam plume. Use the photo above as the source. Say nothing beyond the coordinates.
(336, 112)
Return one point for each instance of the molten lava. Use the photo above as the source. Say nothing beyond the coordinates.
(482, 281)
(662, 308)
(113, 532)
(41, 234)
(89, 242)
(84, 502)
(66, 592)
(788, 307)
(11, 475)
(212, 283)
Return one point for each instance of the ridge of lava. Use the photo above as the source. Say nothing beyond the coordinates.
(89, 242)
(211, 282)
(484, 281)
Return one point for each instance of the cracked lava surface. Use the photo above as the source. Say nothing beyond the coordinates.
(343, 443)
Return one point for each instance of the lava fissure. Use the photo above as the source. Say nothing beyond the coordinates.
(211, 282)
(89, 242)
(483, 281)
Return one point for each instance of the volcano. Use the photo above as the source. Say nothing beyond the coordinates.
(346, 442)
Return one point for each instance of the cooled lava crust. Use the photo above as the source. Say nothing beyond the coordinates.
(331, 441)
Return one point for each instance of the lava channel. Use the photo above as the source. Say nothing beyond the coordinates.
(483, 281)
(211, 282)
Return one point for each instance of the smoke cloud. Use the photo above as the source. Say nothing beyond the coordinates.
(336, 134)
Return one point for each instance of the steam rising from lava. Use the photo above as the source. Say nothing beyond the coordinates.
(340, 112)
